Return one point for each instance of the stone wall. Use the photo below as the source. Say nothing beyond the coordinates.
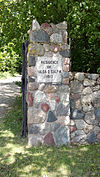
(48, 85)
(63, 107)
(85, 108)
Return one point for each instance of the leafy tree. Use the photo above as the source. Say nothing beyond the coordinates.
(82, 17)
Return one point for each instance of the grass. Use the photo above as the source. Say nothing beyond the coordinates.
(5, 75)
(19, 160)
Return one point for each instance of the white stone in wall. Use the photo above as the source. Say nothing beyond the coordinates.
(35, 25)
(79, 76)
(39, 96)
(87, 90)
(88, 82)
(87, 99)
(52, 104)
(62, 25)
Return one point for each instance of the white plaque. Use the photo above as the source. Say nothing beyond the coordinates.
(49, 69)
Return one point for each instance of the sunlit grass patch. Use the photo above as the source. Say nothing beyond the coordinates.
(18, 160)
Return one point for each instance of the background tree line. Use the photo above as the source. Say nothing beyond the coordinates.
(83, 19)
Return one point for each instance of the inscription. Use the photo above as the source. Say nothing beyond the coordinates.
(49, 69)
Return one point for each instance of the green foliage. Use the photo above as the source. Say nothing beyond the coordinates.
(82, 17)
(8, 58)
(17, 159)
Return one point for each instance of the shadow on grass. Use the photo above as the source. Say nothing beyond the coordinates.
(18, 160)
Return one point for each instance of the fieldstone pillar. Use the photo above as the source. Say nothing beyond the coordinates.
(48, 85)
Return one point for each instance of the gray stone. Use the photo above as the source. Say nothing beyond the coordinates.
(65, 74)
(32, 61)
(88, 82)
(96, 88)
(56, 38)
(97, 113)
(72, 104)
(93, 76)
(96, 99)
(36, 49)
(76, 86)
(90, 118)
(91, 138)
(61, 136)
(64, 47)
(77, 114)
(77, 133)
(55, 126)
(44, 128)
(79, 76)
(65, 53)
(62, 25)
(80, 124)
(98, 136)
(77, 139)
(87, 107)
(87, 90)
(64, 89)
(96, 130)
(33, 129)
(35, 140)
(40, 36)
(36, 116)
(62, 110)
(32, 79)
(39, 96)
(35, 25)
(51, 117)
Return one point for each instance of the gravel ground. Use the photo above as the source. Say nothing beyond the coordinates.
(8, 91)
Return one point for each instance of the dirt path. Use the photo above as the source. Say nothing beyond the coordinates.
(8, 91)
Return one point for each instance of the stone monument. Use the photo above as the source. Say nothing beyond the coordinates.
(48, 85)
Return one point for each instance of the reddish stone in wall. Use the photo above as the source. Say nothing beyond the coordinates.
(54, 48)
(30, 99)
(45, 107)
(48, 139)
(65, 81)
(66, 68)
(72, 129)
(31, 71)
(45, 25)
(57, 99)
(66, 61)
(47, 28)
